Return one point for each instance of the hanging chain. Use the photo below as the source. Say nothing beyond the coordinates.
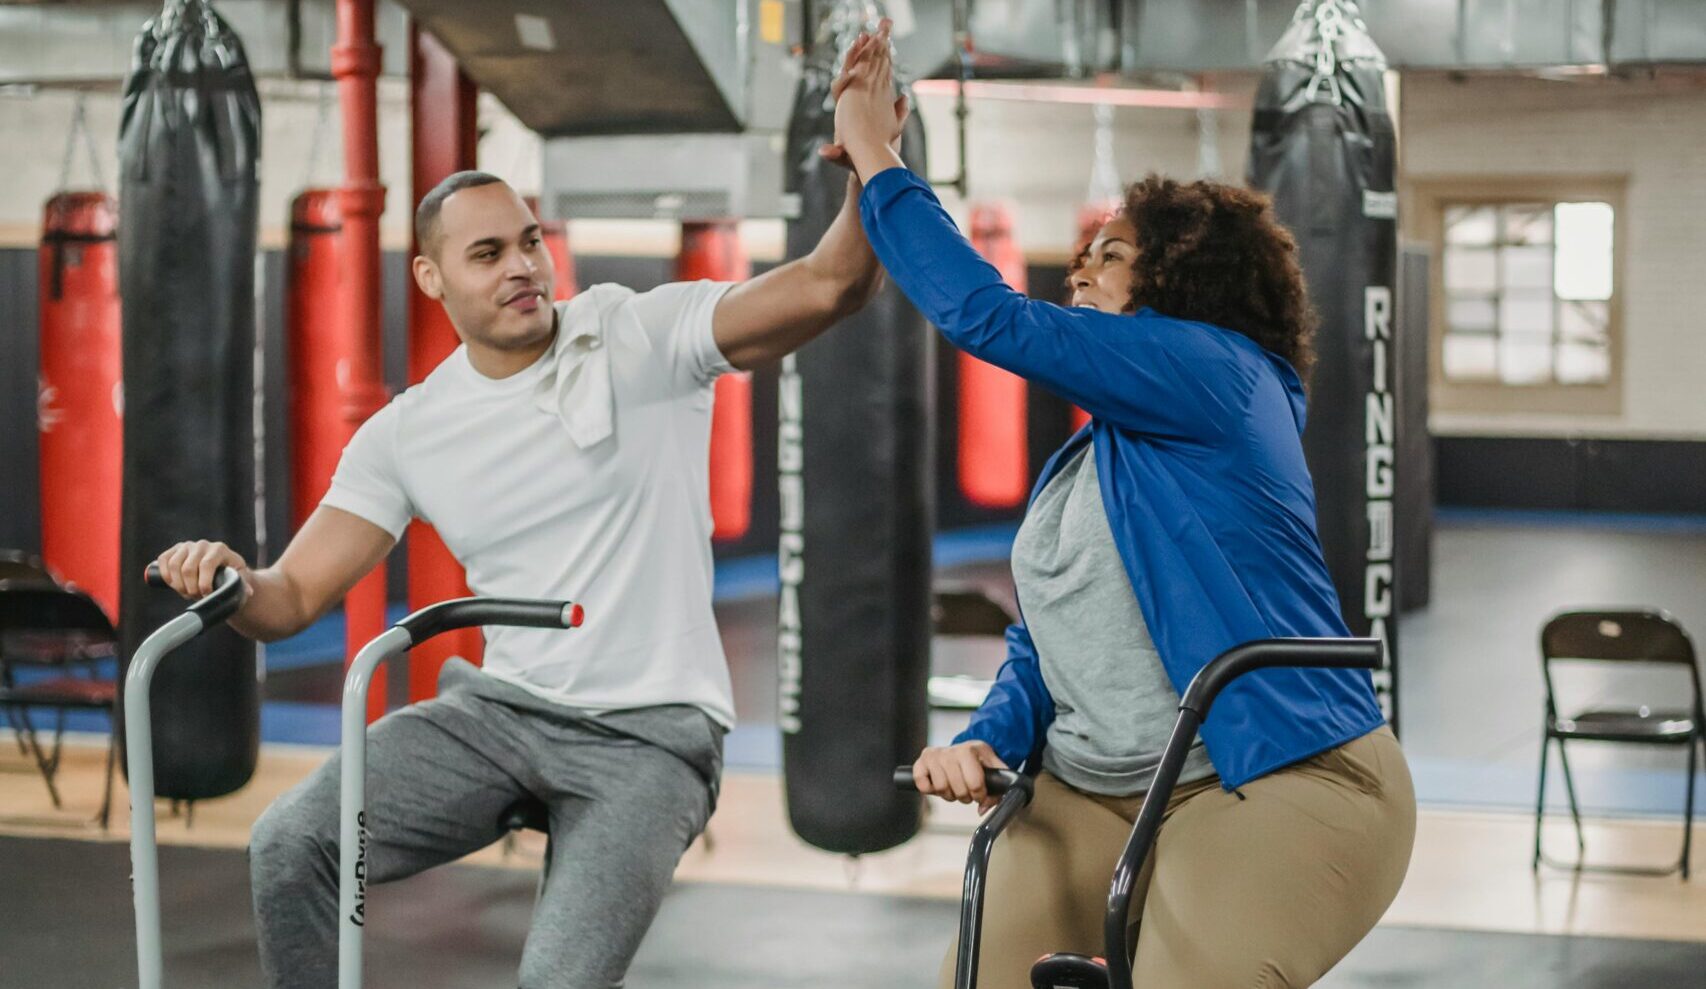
(837, 32)
(80, 129)
(1330, 21)
(1330, 26)
(316, 138)
(1208, 144)
(1104, 170)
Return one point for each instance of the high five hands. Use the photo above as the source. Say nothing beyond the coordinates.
(868, 115)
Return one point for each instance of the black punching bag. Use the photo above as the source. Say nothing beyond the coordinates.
(189, 140)
(1322, 144)
(857, 512)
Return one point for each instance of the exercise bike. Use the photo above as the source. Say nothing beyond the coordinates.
(210, 611)
(1066, 970)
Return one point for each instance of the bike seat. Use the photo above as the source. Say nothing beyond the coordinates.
(1065, 970)
(526, 814)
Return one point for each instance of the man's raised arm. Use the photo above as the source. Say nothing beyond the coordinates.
(773, 315)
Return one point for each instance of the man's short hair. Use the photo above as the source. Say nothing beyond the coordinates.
(427, 230)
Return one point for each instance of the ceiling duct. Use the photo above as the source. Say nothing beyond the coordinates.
(669, 66)
(1456, 35)
(586, 67)
(680, 112)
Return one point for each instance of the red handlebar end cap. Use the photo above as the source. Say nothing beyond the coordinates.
(577, 614)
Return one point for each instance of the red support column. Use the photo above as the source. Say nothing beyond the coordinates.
(555, 234)
(442, 131)
(355, 65)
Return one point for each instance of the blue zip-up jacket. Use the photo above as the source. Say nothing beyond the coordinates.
(1196, 432)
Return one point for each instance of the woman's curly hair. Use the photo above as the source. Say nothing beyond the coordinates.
(1216, 253)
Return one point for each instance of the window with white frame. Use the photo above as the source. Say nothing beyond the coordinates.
(1528, 292)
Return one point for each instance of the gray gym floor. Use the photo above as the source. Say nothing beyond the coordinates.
(67, 923)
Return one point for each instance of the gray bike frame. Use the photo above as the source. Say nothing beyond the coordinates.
(352, 885)
(352, 809)
(352, 783)
(139, 762)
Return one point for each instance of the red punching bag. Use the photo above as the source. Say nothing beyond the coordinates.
(317, 362)
(555, 234)
(1091, 216)
(712, 249)
(993, 458)
(321, 355)
(80, 404)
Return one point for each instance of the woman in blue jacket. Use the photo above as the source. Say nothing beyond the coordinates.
(1179, 523)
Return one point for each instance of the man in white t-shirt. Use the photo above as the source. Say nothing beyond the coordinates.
(561, 452)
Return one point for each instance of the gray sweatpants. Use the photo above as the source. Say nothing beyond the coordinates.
(628, 791)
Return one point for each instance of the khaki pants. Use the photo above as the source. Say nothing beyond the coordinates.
(1268, 889)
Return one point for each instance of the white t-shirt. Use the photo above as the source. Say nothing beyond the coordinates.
(623, 526)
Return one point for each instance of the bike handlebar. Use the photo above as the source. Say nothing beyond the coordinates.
(1363, 654)
(996, 781)
(470, 612)
(226, 598)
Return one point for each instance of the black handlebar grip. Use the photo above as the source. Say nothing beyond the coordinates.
(226, 598)
(471, 612)
(996, 781)
(1360, 654)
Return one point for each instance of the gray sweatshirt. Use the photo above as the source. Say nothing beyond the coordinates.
(1114, 706)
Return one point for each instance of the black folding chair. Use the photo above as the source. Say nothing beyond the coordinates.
(64, 631)
(1627, 637)
(19, 567)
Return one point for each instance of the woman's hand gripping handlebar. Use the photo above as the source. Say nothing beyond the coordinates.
(995, 781)
(958, 773)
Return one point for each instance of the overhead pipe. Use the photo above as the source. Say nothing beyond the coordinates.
(1031, 92)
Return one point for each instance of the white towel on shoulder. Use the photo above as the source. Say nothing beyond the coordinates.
(577, 387)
